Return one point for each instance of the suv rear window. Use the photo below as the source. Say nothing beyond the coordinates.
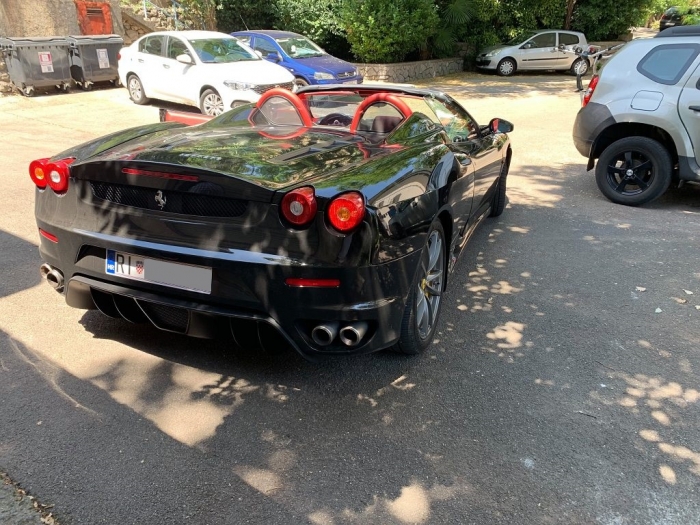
(666, 64)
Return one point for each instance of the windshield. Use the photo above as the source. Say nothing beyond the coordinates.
(521, 37)
(300, 47)
(222, 50)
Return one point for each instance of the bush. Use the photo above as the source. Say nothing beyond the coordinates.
(608, 19)
(317, 19)
(378, 30)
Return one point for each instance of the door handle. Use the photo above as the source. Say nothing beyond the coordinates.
(141, 60)
(694, 108)
(166, 66)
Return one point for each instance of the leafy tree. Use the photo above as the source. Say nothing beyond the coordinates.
(317, 19)
(604, 19)
(388, 30)
(235, 15)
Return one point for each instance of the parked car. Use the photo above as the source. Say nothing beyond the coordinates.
(641, 117)
(675, 16)
(309, 64)
(330, 217)
(536, 50)
(212, 71)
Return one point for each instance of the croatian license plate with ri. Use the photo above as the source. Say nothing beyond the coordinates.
(157, 271)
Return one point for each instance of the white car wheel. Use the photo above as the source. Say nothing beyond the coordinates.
(211, 104)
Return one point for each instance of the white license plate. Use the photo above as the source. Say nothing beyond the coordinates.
(350, 82)
(175, 275)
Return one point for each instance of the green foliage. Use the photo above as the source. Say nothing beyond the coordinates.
(199, 14)
(235, 15)
(317, 19)
(388, 30)
(454, 16)
(608, 19)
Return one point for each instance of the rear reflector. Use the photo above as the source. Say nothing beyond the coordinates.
(159, 174)
(48, 235)
(312, 283)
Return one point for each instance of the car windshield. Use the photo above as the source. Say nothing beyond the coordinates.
(300, 47)
(521, 37)
(222, 50)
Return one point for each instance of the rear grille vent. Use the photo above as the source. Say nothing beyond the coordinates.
(261, 88)
(169, 201)
(166, 317)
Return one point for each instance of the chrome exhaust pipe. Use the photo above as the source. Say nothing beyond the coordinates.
(352, 334)
(53, 276)
(324, 334)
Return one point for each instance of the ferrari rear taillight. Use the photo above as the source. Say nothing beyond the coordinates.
(57, 174)
(37, 172)
(346, 211)
(53, 174)
(589, 92)
(299, 206)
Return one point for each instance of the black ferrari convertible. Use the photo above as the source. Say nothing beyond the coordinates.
(329, 218)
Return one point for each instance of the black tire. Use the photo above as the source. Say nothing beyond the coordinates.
(135, 88)
(499, 198)
(415, 336)
(506, 67)
(210, 103)
(582, 64)
(633, 171)
(300, 82)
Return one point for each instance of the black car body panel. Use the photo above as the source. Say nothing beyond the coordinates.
(209, 196)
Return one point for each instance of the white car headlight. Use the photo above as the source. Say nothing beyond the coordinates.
(238, 86)
(323, 76)
(491, 54)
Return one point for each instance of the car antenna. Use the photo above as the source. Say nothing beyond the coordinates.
(246, 25)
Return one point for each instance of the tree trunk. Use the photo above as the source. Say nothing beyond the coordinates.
(569, 13)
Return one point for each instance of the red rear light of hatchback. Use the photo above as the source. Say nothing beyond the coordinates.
(589, 92)
(346, 211)
(299, 206)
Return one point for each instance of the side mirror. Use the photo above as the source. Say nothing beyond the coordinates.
(259, 53)
(184, 59)
(274, 57)
(527, 45)
(498, 125)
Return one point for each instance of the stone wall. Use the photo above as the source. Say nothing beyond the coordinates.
(410, 71)
(134, 26)
(5, 86)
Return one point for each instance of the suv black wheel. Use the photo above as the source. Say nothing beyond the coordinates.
(423, 306)
(634, 171)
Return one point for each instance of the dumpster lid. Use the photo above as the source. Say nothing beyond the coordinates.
(78, 40)
(12, 43)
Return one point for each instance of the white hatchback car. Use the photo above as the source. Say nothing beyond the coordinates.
(213, 71)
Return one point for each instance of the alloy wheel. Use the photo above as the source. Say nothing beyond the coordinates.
(630, 173)
(134, 88)
(430, 286)
(212, 105)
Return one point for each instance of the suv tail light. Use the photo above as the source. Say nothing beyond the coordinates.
(299, 206)
(53, 174)
(589, 92)
(346, 211)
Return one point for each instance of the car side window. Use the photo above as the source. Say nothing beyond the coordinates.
(667, 63)
(152, 45)
(568, 39)
(543, 40)
(264, 47)
(458, 124)
(176, 47)
(244, 39)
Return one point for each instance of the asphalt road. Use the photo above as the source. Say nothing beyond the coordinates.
(553, 393)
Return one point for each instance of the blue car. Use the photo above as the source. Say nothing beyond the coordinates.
(310, 64)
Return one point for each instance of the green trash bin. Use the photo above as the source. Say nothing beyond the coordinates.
(37, 62)
(93, 59)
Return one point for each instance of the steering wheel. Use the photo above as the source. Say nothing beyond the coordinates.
(335, 119)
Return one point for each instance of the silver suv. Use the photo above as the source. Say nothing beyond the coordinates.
(641, 117)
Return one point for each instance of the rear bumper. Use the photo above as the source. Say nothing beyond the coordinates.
(590, 122)
(246, 286)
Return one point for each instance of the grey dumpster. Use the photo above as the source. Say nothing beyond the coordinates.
(94, 59)
(37, 62)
